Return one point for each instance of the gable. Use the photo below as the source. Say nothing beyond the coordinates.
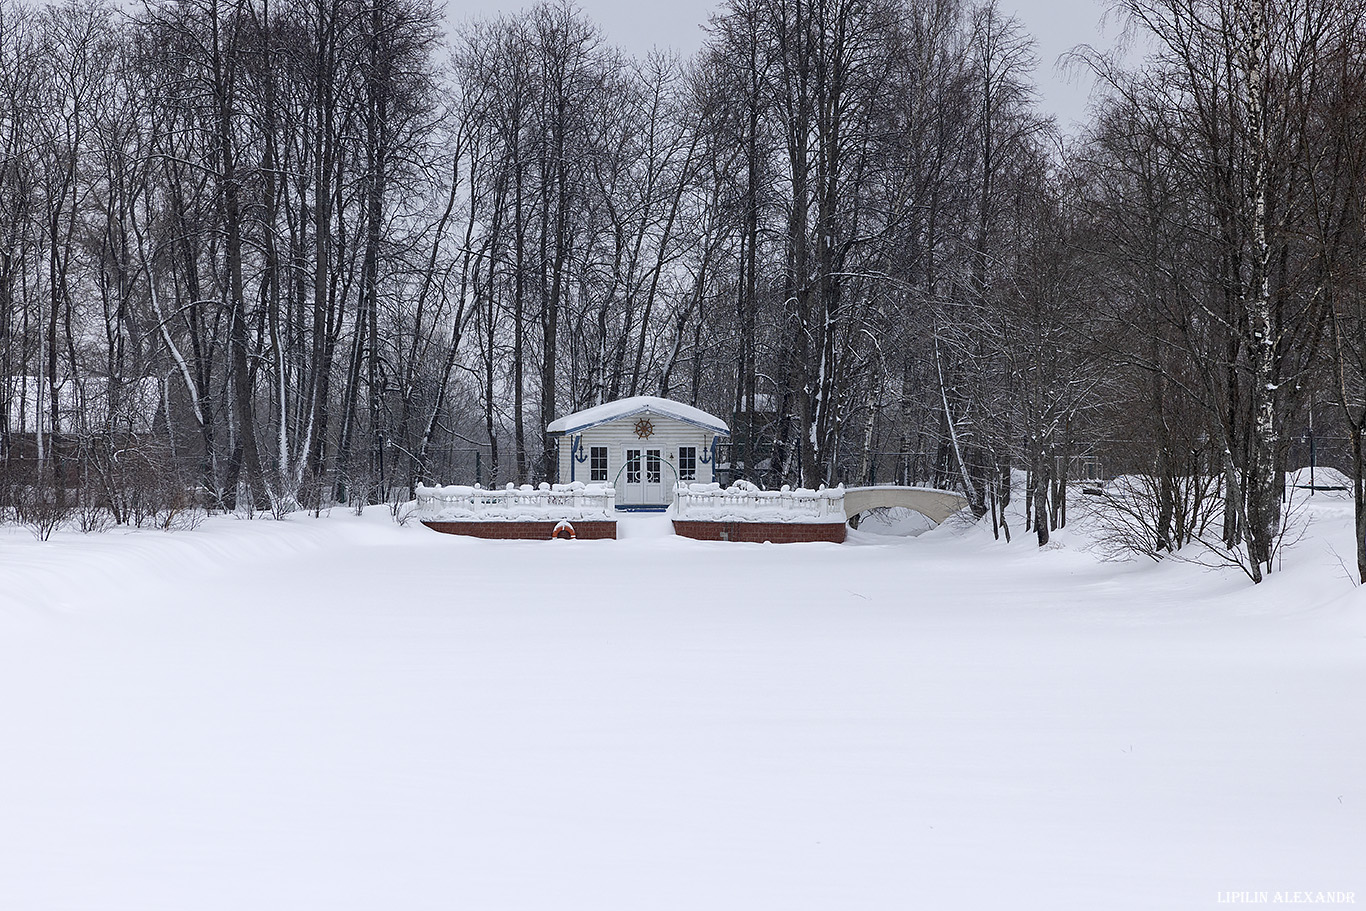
(632, 409)
(623, 430)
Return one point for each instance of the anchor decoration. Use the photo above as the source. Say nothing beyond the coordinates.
(708, 454)
(577, 450)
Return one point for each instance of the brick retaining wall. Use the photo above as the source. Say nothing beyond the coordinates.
(587, 530)
(759, 532)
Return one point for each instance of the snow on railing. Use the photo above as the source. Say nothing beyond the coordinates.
(457, 503)
(744, 502)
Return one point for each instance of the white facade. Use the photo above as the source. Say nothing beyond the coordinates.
(642, 446)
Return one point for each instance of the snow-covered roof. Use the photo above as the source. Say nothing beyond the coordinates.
(638, 404)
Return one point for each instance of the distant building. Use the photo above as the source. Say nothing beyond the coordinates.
(642, 445)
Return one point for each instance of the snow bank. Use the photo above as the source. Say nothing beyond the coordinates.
(1323, 478)
(350, 715)
(744, 502)
(574, 502)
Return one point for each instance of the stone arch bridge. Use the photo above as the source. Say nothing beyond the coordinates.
(936, 505)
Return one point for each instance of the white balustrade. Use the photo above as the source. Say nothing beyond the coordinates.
(575, 501)
(743, 502)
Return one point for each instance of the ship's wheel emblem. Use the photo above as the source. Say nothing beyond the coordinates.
(645, 429)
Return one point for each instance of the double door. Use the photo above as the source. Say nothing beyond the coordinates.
(643, 481)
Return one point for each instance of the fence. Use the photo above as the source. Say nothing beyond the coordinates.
(516, 504)
(743, 502)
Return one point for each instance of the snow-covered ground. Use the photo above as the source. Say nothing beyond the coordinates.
(340, 714)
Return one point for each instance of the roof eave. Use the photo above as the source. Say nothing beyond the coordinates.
(719, 431)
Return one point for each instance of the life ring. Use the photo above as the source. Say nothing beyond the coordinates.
(563, 531)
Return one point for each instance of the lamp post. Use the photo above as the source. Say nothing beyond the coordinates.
(1312, 451)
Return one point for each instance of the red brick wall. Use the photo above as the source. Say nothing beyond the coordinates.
(755, 532)
(524, 531)
(758, 532)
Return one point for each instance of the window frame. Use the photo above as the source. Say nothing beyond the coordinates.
(687, 463)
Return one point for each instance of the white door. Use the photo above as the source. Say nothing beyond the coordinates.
(654, 476)
(642, 470)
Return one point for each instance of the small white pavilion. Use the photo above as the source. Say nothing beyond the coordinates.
(642, 445)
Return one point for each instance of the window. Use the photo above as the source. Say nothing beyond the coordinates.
(633, 466)
(597, 463)
(652, 466)
(687, 463)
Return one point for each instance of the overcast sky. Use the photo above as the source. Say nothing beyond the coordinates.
(637, 25)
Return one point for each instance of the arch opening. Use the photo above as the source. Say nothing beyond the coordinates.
(892, 521)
